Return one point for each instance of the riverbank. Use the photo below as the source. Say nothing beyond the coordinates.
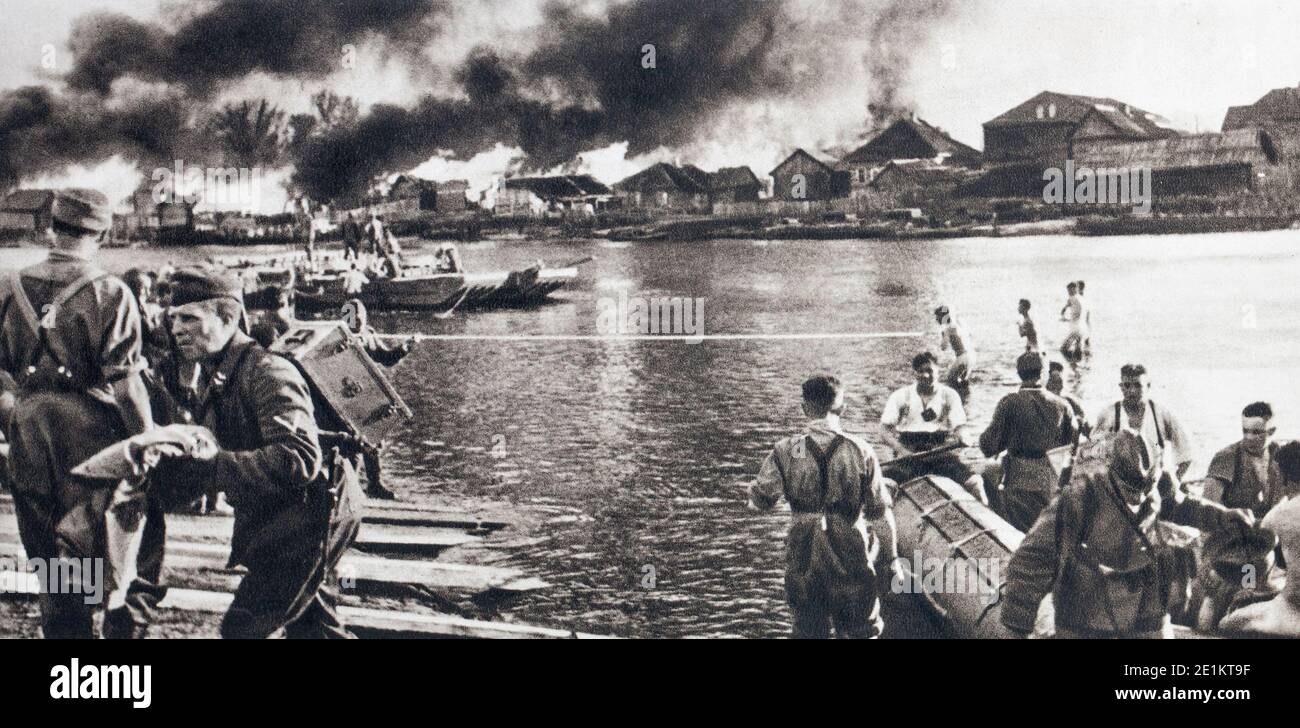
(703, 228)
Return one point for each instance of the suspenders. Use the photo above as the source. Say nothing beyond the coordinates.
(823, 471)
(1160, 438)
(41, 326)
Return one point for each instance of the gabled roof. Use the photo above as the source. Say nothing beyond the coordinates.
(589, 185)
(921, 171)
(877, 148)
(830, 163)
(27, 200)
(689, 179)
(581, 185)
(1280, 104)
(730, 178)
(1073, 108)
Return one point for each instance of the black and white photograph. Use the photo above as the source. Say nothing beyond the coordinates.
(651, 319)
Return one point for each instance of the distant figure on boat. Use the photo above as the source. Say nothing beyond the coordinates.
(375, 233)
(353, 280)
(1076, 321)
(1026, 326)
(925, 416)
(358, 323)
(351, 238)
(833, 483)
(447, 259)
(953, 336)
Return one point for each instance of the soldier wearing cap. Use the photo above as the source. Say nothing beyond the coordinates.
(1098, 550)
(295, 506)
(70, 340)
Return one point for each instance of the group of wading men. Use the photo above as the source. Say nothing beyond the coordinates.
(74, 381)
(1108, 534)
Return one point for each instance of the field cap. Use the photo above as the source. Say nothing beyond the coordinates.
(82, 209)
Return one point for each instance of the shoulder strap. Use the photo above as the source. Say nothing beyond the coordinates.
(1155, 421)
(823, 463)
(1115, 426)
(24, 302)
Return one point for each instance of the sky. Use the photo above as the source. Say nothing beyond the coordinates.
(1187, 60)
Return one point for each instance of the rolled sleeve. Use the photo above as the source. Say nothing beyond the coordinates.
(892, 412)
(956, 412)
(769, 486)
(876, 500)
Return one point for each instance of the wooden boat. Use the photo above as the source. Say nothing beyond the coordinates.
(438, 292)
(422, 286)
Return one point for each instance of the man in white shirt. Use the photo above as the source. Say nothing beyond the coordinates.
(924, 416)
(354, 280)
(1137, 412)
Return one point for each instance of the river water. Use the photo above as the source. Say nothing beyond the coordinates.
(646, 447)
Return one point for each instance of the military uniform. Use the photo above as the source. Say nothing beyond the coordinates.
(1108, 567)
(832, 481)
(69, 333)
(296, 508)
(1026, 424)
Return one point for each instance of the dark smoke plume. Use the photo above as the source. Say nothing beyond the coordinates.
(895, 33)
(41, 131)
(706, 56)
(234, 38)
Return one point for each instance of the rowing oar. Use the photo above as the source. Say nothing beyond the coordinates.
(578, 262)
(924, 455)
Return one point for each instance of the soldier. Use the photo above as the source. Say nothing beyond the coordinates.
(295, 507)
(1098, 550)
(832, 481)
(1026, 424)
(71, 344)
(358, 323)
(1246, 474)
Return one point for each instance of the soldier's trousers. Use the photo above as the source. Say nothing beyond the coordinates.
(851, 619)
(62, 517)
(295, 593)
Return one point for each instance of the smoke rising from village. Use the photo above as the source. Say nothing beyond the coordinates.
(728, 78)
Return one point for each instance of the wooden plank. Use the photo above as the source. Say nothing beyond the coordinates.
(389, 623)
(364, 569)
(377, 538)
(399, 513)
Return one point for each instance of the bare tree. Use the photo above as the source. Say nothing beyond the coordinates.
(252, 134)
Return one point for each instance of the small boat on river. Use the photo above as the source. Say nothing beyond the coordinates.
(421, 287)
